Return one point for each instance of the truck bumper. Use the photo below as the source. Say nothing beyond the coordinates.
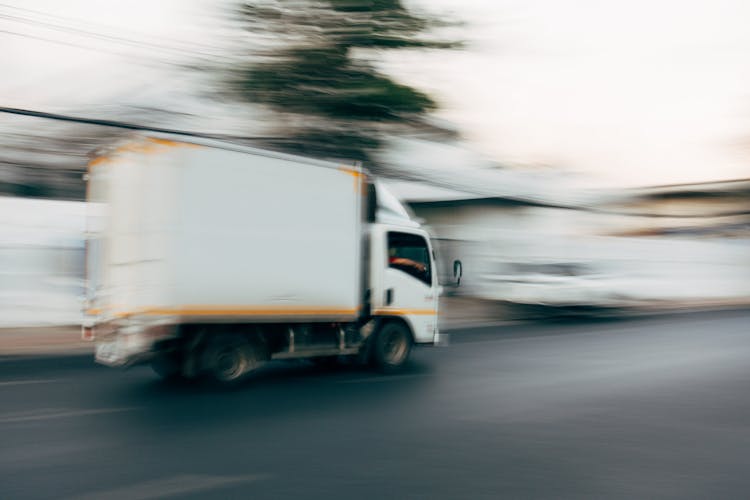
(116, 353)
(130, 345)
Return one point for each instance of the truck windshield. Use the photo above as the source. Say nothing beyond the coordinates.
(409, 253)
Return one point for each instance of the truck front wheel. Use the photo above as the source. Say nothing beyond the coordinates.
(392, 346)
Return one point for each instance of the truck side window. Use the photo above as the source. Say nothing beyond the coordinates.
(409, 253)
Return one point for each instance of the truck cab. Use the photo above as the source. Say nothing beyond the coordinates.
(403, 270)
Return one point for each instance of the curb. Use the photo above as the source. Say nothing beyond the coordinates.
(77, 347)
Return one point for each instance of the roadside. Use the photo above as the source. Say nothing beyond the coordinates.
(457, 313)
(56, 340)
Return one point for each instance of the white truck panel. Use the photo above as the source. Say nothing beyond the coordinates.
(194, 228)
(139, 215)
(280, 233)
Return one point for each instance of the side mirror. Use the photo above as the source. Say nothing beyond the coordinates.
(458, 270)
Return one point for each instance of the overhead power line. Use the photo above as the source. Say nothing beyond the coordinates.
(186, 45)
(109, 38)
(135, 126)
(81, 46)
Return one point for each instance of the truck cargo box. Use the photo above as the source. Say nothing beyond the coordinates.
(213, 231)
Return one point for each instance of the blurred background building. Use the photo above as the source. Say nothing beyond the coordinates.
(651, 247)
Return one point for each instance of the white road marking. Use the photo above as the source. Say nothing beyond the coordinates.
(48, 414)
(30, 381)
(170, 486)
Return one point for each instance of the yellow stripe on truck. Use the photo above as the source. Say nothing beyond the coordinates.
(257, 311)
(96, 161)
(354, 173)
(351, 171)
(150, 145)
(238, 311)
(404, 312)
(170, 143)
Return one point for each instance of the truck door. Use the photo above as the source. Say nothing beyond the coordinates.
(409, 283)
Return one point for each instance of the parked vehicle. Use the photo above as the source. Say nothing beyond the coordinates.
(214, 258)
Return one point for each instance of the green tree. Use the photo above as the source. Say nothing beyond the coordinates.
(313, 65)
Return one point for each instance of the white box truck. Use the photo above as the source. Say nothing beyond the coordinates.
(210, 258)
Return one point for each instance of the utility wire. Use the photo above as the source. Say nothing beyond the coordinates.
(104, 37)
(81, 46)
(135, 126)
(186, 45)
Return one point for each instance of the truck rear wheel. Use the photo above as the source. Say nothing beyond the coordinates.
(392, 346)
(169, 360)
(326, 362)
(167, 365)
(228, 358)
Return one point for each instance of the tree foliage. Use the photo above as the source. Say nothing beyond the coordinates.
(313, 64)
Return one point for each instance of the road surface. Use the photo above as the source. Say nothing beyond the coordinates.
(650, 408)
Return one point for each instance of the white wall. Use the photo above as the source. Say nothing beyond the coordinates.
(41, 262)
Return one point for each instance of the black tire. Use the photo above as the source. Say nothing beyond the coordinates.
(168, 365)
(326, 362)
(227, 359)
(391, 347)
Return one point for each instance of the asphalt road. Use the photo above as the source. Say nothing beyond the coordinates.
(651, 408)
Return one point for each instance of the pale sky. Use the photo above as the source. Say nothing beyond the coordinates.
(630, 93)
(633, 93)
